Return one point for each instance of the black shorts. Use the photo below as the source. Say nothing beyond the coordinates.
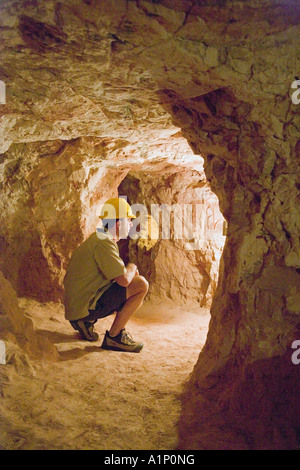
(112, 300)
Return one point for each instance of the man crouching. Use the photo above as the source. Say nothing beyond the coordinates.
(98, 284)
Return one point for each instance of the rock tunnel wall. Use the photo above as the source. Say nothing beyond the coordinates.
(255, 313)
(50, 194)
(115, 72)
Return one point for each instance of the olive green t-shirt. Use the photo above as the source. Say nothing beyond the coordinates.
(91, 271)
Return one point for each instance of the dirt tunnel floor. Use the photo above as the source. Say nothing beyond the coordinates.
(96, 399)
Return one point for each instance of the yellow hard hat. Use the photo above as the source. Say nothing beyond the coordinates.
(116, 208)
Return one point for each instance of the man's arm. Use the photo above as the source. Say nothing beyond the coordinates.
(125, 279)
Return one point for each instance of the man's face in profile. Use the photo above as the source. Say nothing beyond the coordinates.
(124, 227)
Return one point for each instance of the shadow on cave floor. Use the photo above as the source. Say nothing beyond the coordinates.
(69, 404)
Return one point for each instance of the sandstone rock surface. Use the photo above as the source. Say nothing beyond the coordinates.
(17, 331)
(100, 90)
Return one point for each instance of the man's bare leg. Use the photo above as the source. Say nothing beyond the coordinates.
(135, 294)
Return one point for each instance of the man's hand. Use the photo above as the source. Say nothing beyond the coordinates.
(133, 266)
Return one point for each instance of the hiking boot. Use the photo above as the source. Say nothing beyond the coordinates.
(122, 342)
(86, 329)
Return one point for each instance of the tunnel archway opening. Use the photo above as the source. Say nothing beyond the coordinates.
(181, 257)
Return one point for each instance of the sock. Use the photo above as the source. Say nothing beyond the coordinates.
(115, 336)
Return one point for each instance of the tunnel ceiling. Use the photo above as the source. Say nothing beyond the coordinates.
(76, 75)
(111, 69)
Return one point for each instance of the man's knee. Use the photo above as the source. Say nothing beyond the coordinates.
(138, 285)
(144, 284)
